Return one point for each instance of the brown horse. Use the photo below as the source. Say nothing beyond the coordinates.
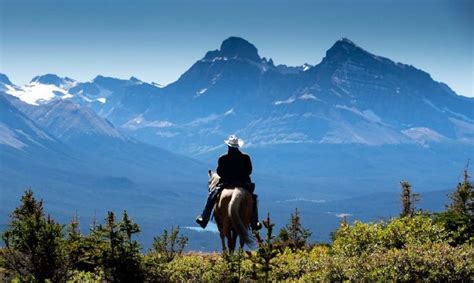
(232, 212)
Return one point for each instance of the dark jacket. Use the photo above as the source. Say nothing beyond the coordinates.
(234, 167)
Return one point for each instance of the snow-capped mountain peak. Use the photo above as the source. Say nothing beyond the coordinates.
(42, 89)
(37, 93)
(52, 79)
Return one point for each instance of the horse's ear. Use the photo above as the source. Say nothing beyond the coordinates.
(210, 173)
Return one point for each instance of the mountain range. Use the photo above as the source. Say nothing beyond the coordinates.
(353, 125)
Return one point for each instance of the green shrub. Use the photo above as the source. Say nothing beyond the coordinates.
(87, 276)
(432, 262)
(360, 238)
(195, 267)
(169, 244)
(428, 263)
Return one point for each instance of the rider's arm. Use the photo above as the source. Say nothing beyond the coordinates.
(248, 166)
(220, 169)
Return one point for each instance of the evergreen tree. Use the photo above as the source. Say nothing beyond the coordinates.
(121, 259)
(83, 250)
(267, 250)
(458, 219)
(409, 199)
(462, 199)
(294, 235)
(34, 243)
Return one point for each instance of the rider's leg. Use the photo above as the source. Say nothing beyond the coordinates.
(254, 221)
(206, 213)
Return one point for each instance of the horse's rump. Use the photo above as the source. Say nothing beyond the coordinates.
(234, 211)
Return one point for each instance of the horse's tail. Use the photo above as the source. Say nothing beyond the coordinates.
(234, 214)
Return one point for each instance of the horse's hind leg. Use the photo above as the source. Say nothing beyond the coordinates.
(232, 240)
(224, 231)
(224, 248)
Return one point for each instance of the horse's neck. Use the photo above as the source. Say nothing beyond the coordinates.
(215, 180)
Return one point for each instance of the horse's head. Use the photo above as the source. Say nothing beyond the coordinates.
(213, 180)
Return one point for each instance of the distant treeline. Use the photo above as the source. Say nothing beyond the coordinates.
(416, 246)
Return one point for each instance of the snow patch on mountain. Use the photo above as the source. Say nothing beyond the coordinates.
(8, 88)
(423, 135)
(201, 91)
(308, 96)
(306, 67)
(141, 122)
(291, 99)
(287, 101)
(278, 139)
(363, 132)
(36, 93)
(284, 69)
(432, 105)
(210, 118)
(368, 115)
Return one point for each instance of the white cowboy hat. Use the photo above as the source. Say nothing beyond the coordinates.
(234, 141)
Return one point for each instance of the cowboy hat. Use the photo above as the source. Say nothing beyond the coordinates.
(234, 141)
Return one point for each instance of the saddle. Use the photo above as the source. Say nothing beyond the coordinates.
(248, 186)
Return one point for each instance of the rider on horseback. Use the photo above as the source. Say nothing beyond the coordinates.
(234, 168)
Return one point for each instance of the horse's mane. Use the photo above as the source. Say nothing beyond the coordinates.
(213, 180)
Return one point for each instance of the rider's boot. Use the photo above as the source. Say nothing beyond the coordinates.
(203, 218)
(254, 221)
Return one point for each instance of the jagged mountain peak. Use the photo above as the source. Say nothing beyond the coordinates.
(135, 80)
(235, 47)
(4, 79)
(344, 49)
(52, 79)
(109, 82)
(347, 42)
(104, 80)
(101, 78)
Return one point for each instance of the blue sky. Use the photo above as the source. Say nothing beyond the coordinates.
(159, 40)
